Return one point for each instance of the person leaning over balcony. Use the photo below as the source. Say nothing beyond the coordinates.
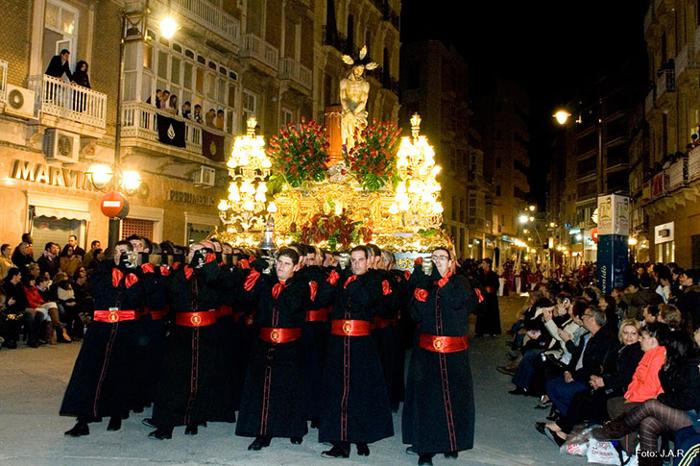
(210, 117)
(80, 77)
(219, 121)
(172, 105)
(162, 102)
(187, 110)
(197, 116)
(58, 66)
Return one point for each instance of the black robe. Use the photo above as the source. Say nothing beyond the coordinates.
(272, 403)
(192, 388)
(488, 320)
(438, 413)
(102, 382)
(355, 403)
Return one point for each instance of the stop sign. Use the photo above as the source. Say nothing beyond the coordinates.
(114, 205)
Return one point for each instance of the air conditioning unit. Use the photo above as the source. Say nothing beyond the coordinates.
(61, 145)
(20, 102)
(205, 176)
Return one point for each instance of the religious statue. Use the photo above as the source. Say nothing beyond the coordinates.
(354, 92)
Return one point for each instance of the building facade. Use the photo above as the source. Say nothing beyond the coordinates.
(667, 190)
(234, 58)
(435, 84)
(504, 116)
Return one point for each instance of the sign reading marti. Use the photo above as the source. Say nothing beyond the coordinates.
(51, 176)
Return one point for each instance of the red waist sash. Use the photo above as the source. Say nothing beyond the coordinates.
(224, 310)
(113, 317)
(156, 314)
(350, 328)
(279, 335)
(318, 315)
(195, 319)
(380, 322)
(439, 344)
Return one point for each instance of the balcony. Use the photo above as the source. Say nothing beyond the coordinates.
(256, 48)
(686, 60)
(140, 129)
(665, 82)
(210, 17)
(295, 71)
(3, 82)
(69, 106)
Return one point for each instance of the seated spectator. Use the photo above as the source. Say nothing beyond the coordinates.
(13, 312)
(22, 256)
(187, 110)
(590, 357)
(197, 116)
(69, 261)
(5, 260)
(68, 307)
(590, 405)
(220, 117)
(49, 262)
(668, 412)
(36, 305)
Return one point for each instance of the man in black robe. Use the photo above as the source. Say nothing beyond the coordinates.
(438, 412)
(356, 405)
(192, 389)
(272, 404)
(488, 321)
(101, 383)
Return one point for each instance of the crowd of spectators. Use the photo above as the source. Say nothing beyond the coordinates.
(631, 356)
(45, 300)
(169, 103)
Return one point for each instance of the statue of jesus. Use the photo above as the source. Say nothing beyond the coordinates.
(354, 92)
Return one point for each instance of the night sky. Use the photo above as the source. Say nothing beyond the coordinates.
(555, 49)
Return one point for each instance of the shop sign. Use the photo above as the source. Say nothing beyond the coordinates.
(190, 198)
(51, 175)
(659, 185)
(663, 233)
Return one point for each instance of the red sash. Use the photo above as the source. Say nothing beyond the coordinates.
(380, 322)
(195, 319)
(113, 317)
(439, 344)
(318, 315)
(277, 335)
(350, 328)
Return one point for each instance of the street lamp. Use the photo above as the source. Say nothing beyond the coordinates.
(126, 179)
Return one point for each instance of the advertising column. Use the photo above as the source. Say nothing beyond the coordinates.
(613, 232)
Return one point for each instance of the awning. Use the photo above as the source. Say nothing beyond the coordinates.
(41, 211)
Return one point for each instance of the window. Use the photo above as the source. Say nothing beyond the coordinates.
(250, 102)
(136, 226)
(287, 117)
(60, 31)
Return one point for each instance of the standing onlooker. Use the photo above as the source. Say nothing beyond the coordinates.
(488, 320)
(197, 116)
(58, 66)
(48, 262)
(80, 77)
(163, 101)
(70, 262)
(172, 105)
(187, 110)
(22, 256)
(90, 255)
(5, 260)
(210, 117)
(219, 122)
(77, 250)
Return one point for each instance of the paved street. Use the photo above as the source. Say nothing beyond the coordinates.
(32, 382)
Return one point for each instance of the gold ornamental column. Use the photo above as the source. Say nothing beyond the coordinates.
(333, 119)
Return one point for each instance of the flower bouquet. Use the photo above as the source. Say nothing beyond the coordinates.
(334, 230)
(371, 160)
(299, 153)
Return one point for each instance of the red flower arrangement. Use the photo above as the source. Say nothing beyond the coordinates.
(299, 152)
(372, 158)
(334, 229)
